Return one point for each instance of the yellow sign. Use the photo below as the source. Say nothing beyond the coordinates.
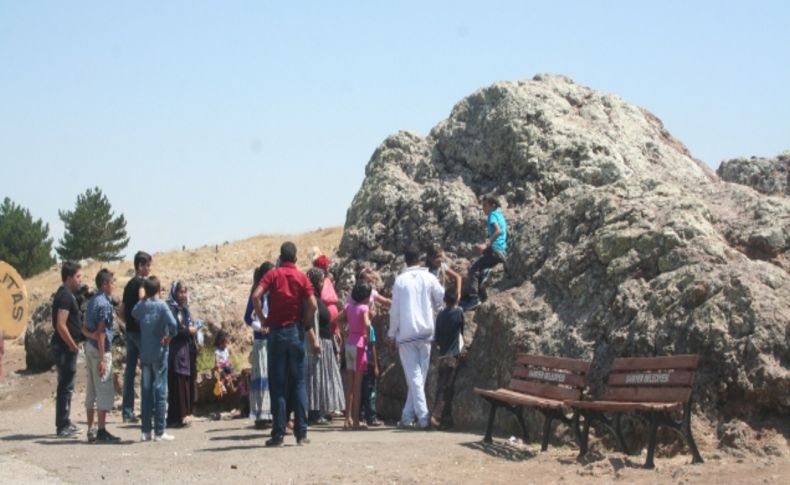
(13, 302)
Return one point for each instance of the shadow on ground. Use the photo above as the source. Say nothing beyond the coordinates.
(500, 450)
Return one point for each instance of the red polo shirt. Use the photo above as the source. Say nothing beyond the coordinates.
(288, 288)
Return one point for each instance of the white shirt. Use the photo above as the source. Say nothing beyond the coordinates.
(416, 295)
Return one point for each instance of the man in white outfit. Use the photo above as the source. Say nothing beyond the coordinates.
(416, 296)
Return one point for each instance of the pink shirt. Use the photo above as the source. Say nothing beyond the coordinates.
(329, 297)
(355, 315)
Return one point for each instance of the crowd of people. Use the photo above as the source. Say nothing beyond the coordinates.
(302, 334)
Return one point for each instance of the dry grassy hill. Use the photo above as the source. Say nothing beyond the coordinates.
(219, 277)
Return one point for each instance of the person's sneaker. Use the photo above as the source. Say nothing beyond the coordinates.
(104, 436)
(131, 419)
(403, 425)
(145, 437)
(374, 423)
(302, 441)
(92, 435)
(485, 276)
(274, 442)
(164, 437)
(67, 433)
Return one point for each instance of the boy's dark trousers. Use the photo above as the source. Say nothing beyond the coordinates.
(445, 388)
(368, 402)
(489, 259)
(66, 364)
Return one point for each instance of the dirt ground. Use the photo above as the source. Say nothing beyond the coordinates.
(231, 450)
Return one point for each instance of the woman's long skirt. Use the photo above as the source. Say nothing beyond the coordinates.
(180, 398)
(260, 403)
(324, 385)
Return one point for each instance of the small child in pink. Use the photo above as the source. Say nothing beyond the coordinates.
(357, 314)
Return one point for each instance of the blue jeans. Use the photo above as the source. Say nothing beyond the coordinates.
(368, 401)
(287, 366)
(66, 364)
(153, 395)
(132, 357)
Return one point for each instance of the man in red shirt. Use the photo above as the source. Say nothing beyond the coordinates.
(292, 308)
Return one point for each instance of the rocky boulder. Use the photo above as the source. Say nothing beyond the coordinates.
(37, 336)
(621, 244)
(766, 175)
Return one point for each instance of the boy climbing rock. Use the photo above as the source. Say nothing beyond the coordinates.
(493, 249)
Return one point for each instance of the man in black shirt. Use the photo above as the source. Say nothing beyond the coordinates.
(132, 293)
(67, 320)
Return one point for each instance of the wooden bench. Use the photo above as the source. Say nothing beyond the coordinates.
(540, 382)
(650, 387)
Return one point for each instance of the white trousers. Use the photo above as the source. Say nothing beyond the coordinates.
(415, 357)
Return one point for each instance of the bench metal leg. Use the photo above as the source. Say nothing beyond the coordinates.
(544, 445)
(520, 417)
(491, 416)
(696, 457)
(651, 441)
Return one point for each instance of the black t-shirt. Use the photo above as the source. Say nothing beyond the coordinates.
(323, 320)
(65, 300)
(131, 295)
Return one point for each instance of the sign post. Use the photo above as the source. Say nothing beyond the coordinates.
(13, 306)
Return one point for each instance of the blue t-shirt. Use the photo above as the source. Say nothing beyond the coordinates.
(156, 321)
(371, 343)
(100, 309)
(496, 216)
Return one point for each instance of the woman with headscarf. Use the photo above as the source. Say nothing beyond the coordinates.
(328, 294)
(324, 384)
(181, 373)
(260, 402)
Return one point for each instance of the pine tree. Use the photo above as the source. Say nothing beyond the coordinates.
(24, 243)
(91, 229)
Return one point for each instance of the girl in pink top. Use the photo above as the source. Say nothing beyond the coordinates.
(357, 314)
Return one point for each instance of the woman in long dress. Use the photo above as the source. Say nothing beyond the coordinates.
(260, 402)
(181, 371)
(325, 384)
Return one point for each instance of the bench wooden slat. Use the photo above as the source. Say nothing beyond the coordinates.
(655, 363)
(518, 399)
(549, 377)
(575, 365)
(623, 406)
(551, 391)
(647, 394)
(636, 378)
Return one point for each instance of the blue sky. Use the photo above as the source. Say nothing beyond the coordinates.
(212, 121)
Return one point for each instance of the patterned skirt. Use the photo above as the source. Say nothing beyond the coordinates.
(260, 403)
(324, 383)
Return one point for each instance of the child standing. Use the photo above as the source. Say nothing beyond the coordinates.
(357, 314)
(222, 360)
(450, 344)
(157, 327)
(493, 250)
(368, 396)
(99, 391)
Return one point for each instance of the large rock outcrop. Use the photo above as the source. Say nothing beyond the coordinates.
(766, 175)
(621, 244)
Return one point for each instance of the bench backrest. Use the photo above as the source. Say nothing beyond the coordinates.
(652, 379)
(549, 377)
